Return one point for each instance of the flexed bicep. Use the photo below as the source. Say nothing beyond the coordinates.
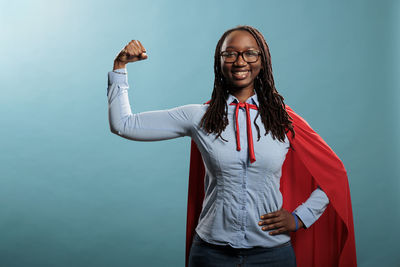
(147, 126)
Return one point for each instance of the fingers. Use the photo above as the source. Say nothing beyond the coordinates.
(132, 52)
(143, 54)
(279, 231)
(139, 50)
(279, 228)
(270, 215)
(280, 221)
(141, 46)
(133, 49)
(273, 226)
(270, 221)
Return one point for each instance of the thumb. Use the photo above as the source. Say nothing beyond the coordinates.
(143, 55)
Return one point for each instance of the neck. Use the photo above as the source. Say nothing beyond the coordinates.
(244, 94)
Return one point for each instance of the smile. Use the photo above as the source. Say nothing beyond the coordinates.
(240, 74)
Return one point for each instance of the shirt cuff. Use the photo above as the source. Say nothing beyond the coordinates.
(305, 215)
(120, 78)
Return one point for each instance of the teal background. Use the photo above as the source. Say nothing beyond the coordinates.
(74, 194)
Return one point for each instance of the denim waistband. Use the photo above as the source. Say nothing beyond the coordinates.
(198, 240)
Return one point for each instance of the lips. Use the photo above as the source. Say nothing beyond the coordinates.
(240, 74)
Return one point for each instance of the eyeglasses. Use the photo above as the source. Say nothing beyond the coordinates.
(250, 56)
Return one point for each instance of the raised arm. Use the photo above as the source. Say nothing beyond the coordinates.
(145, 126)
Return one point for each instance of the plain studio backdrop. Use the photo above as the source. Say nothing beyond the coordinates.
(74, 194)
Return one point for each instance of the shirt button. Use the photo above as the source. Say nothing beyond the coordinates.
(243, 208)
(244, 185)
(242, 227)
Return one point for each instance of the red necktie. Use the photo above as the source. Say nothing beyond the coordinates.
(247, 106)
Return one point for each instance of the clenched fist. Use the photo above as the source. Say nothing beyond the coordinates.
(133, 51)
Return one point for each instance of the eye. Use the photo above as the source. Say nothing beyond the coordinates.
(251, 53)
(229, 54)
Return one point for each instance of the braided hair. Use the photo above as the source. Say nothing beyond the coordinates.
(271, 106)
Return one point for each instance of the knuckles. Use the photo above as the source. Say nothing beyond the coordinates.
(133, 51)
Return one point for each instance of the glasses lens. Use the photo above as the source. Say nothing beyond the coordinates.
(250, 56)
(230, 56)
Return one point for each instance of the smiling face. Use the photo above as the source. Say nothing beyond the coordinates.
(240, 75)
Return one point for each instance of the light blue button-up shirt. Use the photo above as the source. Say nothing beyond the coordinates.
(237, 192)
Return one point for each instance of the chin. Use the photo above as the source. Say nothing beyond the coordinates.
(238, 85)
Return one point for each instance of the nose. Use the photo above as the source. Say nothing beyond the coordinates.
(240, 60)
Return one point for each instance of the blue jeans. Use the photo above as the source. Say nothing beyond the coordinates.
(203, 254)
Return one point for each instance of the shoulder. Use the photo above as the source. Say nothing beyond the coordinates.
(193, 108)
(191, 111)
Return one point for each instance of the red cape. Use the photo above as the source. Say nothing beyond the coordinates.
(309, 162)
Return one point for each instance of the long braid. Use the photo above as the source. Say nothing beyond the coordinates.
(271, 105)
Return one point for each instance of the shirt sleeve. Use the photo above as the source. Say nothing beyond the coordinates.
(144, 126)
(309, 211)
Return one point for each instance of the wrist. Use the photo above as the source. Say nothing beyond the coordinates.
(299, 223)
(296, 221)
(119, 65)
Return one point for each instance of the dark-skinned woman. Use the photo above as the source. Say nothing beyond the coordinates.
(241, 134)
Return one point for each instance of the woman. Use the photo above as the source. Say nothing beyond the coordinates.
(242, 220)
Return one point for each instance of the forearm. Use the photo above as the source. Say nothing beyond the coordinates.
(309, 211)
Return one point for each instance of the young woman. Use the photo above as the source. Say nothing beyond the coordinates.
(241, 221)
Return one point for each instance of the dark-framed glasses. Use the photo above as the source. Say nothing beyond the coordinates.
(250, 56)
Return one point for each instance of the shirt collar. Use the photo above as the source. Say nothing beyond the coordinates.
(251, 100)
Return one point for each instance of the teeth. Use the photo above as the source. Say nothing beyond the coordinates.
(241, 72)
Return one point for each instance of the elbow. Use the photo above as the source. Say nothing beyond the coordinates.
(117, 124)
(126, 128)
(121, 130)
(115, 129)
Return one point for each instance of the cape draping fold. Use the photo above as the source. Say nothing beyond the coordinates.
(309, 163)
